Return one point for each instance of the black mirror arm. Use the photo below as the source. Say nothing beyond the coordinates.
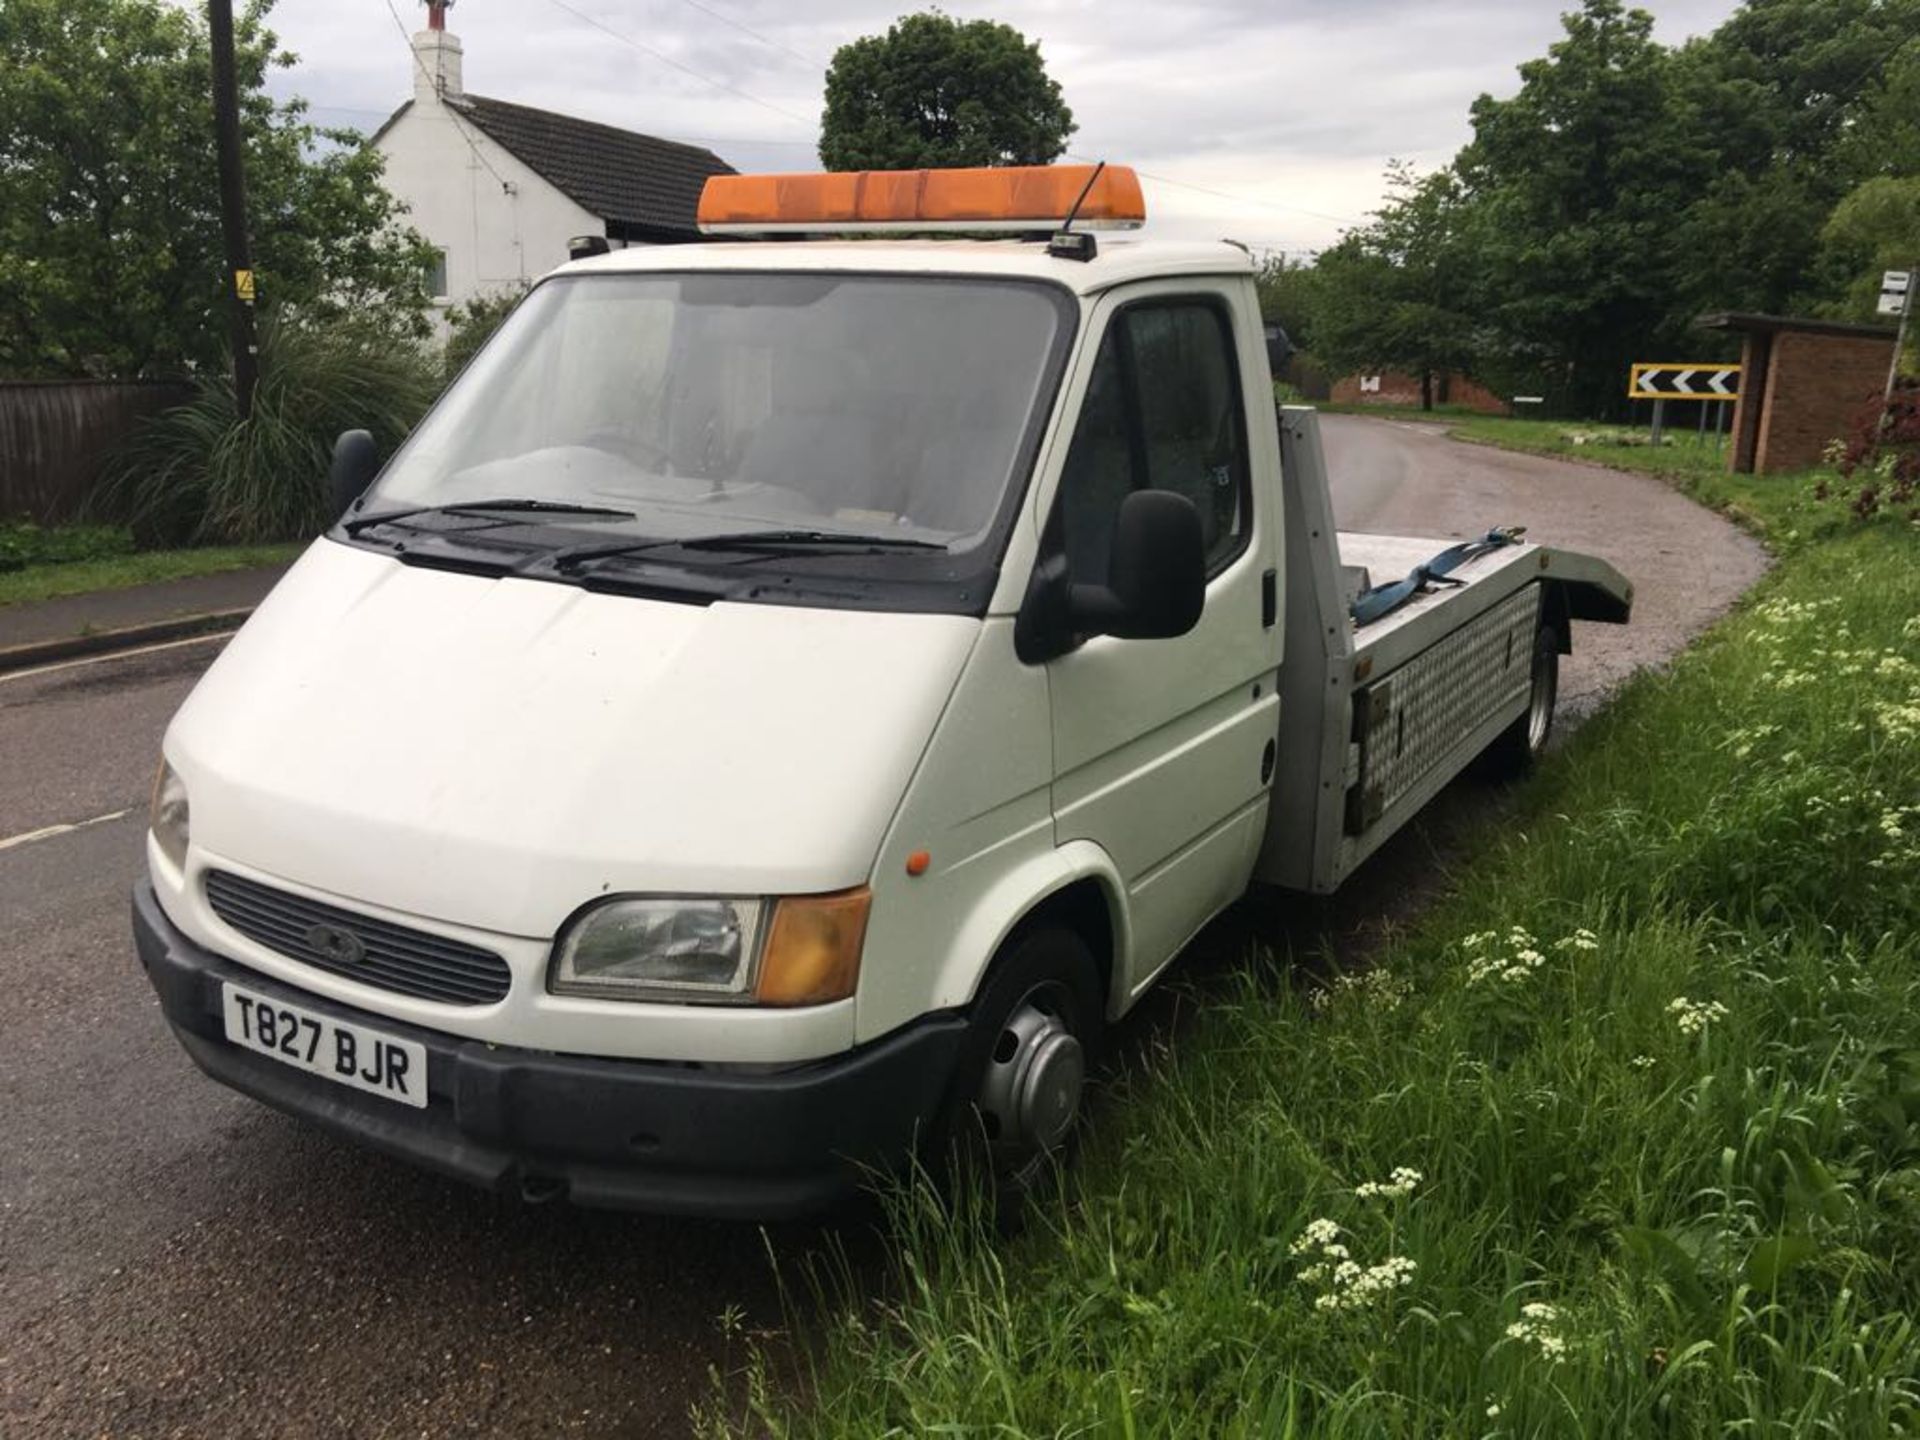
(1043, 630)
(356, 460)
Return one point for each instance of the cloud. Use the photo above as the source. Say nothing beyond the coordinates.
(1286, 110)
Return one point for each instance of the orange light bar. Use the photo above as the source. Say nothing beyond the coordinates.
(1018, 197)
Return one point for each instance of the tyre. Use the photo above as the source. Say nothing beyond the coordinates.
(1014, 1106)
(1516, 750)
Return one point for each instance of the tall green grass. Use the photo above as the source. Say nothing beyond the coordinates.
(1655, 1061)
(200, 474)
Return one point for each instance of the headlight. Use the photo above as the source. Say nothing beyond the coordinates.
(660, 950)
(169, 816)
(808, 952)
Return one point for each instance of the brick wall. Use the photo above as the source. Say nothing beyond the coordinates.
(1815, 386)
(1398, 388)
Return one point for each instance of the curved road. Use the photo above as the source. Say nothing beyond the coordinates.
(175, 1260)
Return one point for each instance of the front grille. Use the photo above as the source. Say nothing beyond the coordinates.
(393, 957)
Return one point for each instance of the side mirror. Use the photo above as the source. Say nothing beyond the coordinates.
(1156, 583)
(1279, 350)
(356, 460)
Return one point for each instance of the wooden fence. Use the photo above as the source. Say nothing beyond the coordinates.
(55, 434)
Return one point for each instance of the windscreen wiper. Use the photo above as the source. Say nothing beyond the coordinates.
(480, 507)
(773, 541)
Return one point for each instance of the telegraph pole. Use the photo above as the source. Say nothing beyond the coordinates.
(233, 205)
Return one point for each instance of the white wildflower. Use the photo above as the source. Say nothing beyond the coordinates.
(1377, 989)
(1539, 1327)
(1642, 1062)
(1401, 1183)
(1317, 1236)
(1345, 1283)
(1693, 1016)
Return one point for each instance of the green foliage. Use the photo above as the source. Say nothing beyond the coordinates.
(23, 543)
(473, 324)
(1876, 228)
(1289, 297)
(198, 473)
(935, 91)
(111, 261)
(1628, 187)
(1652, 1062)
(1398, 293)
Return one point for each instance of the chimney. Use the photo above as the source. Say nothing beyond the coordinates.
(436, 56)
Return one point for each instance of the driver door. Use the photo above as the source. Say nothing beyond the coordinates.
(1163, 749)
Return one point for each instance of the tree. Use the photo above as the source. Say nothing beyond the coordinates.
(471, 325)
(110, 253)
(1579, 179)
(934, 91)
(1398, 293)
(1874, 229)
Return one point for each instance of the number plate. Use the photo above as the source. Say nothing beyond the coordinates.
(353, 1055)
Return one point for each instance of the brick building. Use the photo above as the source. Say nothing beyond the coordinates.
(1801, 385)
(1394, 387)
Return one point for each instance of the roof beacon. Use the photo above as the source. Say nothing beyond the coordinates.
(1018, 199)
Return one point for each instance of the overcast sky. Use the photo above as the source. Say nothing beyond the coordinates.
(1288, 109)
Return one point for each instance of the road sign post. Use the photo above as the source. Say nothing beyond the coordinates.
(1660, 382)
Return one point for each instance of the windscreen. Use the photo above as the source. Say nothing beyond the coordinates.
(708, 403)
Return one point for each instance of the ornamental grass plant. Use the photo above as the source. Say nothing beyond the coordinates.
(198, 474)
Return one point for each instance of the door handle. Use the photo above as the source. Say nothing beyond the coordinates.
(1269, 599)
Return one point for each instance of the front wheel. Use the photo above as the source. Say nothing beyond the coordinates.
(1516, 750)
(1017, 1088)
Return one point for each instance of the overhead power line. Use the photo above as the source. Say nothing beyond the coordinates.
(459, 125)
(749, 30)
(1224, 195)
(668, 60)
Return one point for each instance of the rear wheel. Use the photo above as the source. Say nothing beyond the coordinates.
(1017, 1089)
(1516, 749)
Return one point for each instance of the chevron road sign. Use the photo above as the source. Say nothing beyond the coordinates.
(1711, 381)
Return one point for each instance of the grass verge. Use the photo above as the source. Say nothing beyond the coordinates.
(116, 572)
(1622, 1138)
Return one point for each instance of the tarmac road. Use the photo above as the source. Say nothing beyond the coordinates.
(176, 1260)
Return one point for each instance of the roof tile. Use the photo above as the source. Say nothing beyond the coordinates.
(646, 186)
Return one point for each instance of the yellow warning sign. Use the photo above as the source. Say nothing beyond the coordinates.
(1710, 380)
(243, 285)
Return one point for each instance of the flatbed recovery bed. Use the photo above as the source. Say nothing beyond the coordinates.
(1377, 719)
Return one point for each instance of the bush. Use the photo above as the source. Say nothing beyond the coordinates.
(473, 325)
(23, 543)
(1882, 453)
(199, 474)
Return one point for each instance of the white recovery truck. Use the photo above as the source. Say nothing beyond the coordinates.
(786, 697)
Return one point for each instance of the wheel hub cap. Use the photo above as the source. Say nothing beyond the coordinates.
(1033, 1083)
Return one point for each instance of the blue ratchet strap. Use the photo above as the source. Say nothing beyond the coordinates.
(1370, 605)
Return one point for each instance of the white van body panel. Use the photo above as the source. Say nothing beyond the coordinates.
(980, 806)
(496, 753)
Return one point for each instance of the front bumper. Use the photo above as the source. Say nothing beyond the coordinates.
(624, 1134)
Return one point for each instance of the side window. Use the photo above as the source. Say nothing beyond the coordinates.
(1162, 412)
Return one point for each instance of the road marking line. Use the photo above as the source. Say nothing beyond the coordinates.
(116, 655)
(52, 830)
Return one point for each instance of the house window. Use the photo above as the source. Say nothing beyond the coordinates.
(437, 274)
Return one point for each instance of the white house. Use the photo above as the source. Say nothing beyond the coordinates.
(500, 189)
